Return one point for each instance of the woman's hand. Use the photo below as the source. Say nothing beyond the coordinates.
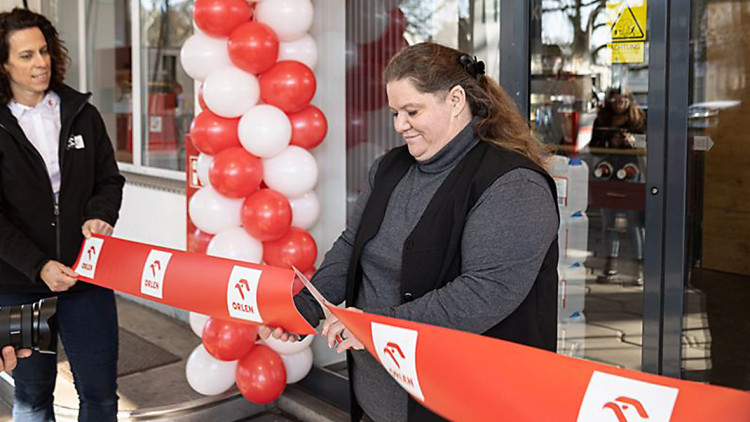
(277, 332)
(57, 276)
(10, 358)
(333, 328)
(96, 226)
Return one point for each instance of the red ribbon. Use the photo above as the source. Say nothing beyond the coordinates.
(468, 377)
(217, 287)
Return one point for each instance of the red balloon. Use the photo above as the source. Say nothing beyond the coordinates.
(228, 340)
(235, 172)
(295, 248)
(253, 47)
(198, 241)
(309, 127)
(212, 134)
(298, 285)
(266, 215)
(261, 376)
(218, 18)
(288, 85)
(365, 88)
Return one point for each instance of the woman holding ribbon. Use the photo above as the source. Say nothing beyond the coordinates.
(457, 228)
(59, 182)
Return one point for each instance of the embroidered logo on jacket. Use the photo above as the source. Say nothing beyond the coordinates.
(75, 142)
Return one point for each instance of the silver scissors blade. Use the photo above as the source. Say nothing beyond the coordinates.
(315, 293)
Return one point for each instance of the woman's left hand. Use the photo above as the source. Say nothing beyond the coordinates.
(96, 226)
(332, 327)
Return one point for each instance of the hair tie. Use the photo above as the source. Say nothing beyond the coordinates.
(472, 65)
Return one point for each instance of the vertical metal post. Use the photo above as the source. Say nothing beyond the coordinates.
(655, 192)
(675, 264)
(515, 56)
(83, 58)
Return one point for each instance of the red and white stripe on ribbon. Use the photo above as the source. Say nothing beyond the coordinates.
(217, 287)
(468, 377)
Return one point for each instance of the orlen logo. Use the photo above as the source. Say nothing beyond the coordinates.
(89, 257)
(394, 351)
(242, 294)
(152, 277)
(397, 351)
(611, 398)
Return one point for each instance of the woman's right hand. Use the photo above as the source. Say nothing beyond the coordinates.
(278, 333)
(57, 276)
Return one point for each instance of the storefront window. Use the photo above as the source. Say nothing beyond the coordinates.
(376, 30)
(589, 95)
(108, 41)
(716, 322)
(167, 91)
(156, 139)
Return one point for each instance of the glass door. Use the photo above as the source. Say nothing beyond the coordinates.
(589, 96)
(716, 315)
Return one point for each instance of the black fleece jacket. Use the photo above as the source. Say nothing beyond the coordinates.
(34, 228)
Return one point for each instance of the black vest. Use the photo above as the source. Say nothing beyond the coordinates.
(432, 251)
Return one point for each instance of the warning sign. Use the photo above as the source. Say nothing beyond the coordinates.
(627, 22)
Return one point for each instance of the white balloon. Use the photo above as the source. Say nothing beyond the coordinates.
(202, 55)
(197, 322)
(203, 165)
(369, 21)
(230, 92)
(265, 131)
(290, 19)
(303, 50)
(292, 173)
(208, 375)
(212, 212)
(297, 365)
(235, 243)
(305, 210)
(288, 347)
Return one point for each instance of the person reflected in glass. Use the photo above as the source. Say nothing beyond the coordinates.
(618, 125)
(456, 228)
(59, 183)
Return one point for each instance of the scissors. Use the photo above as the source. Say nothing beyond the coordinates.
(319, 298)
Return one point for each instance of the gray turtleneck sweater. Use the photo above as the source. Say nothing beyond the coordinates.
(507, 234)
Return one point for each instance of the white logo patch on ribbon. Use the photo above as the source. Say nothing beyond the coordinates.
(152, 278)
(90, 257)
(616, 399)
(397, 350)
(242, 294)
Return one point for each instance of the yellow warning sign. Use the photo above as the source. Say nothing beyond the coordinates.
(627, 52)
(627, 20)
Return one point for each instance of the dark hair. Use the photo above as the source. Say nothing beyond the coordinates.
(435, 69)
(18, 19)
(636, 118)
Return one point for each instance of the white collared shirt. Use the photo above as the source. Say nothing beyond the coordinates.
(41, 125)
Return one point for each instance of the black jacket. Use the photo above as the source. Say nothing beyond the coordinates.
(432, 258)
(33, 227)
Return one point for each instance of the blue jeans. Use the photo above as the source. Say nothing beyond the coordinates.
(87, 323)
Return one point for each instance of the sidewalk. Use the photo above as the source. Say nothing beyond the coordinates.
(152, 384)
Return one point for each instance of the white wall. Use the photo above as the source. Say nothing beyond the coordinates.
(154, 216)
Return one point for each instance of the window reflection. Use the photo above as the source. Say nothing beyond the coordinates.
(588, 100)
(376, 30)
(716, 321)
(167, 103)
